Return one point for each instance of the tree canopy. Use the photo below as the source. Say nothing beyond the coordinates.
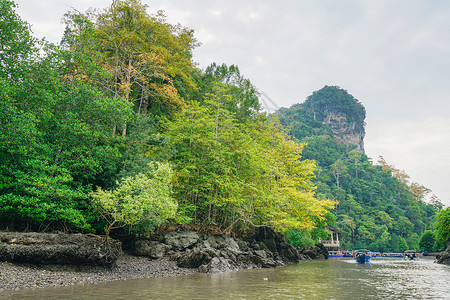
(117, 127)
(378, 207)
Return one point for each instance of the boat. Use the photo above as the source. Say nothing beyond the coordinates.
(376, 254)
(335, 254)
(362, 256)
(392, 254)
(410, 255)
(348, 253)
(340, 253)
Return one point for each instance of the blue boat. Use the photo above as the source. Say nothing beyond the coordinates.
(335, 254)
(348, 253)
(362, 256)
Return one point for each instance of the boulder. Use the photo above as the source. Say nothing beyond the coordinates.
(181, 240)
(58, 248)
(444, 257)
(271, 244)
(217, 265)
(229, 244)
(221, 253)
(288, 252)
(317, 252)
(322, 252)
(151, 249)
(196, 257)
(264, 261)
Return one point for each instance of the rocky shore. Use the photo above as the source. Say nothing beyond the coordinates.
(36, 260)
(444, 257)
(21, 276)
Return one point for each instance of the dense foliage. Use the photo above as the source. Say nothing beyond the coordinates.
(377, 206)
(307, 119)
(442, 227)
(141, 199)
(116, 127)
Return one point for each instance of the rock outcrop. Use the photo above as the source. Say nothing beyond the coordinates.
(221, 253)
(444, 257)
(345, 130)
(58, 248)
(340, 112)
(206, 253)
(330, 111)
(318, 252)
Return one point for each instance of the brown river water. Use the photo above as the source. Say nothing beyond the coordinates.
(335, 278)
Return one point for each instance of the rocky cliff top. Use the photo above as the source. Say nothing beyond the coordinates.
(339, 110)
(330, 110)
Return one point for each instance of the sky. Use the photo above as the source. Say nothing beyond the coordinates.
(391, 55)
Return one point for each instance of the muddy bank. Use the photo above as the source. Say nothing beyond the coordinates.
(58, 248)
(15, 276)
(35, 260)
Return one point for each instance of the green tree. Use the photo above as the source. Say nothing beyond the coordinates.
(426, 241)
(56, 138)
(338, 168)
(404, 226)
(144, 56)
(145, 197)
(235, 173)
(244, 101)
(17, 46)
(442, 226)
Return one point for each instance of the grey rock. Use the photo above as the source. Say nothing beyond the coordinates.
(444, 257)
(58, 248)
(243, 245)
(317, 252)
(271, 244)
(261, 253)
(181, 240)
(217, 265)
(196, 257)
(264, 262)
(288, 252)
(151, 249)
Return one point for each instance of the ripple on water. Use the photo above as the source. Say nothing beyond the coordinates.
(328, 279)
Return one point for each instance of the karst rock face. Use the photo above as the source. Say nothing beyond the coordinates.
(340, 112)
(346, 131)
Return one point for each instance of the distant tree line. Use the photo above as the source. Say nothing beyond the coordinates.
(377, 206)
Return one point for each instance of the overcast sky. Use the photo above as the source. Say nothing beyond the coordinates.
(393, 56)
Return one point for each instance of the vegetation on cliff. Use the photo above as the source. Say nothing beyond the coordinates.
(378, 208)
(442, 227)
(311, 118)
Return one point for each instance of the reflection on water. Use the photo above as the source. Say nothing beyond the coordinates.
(383, 278)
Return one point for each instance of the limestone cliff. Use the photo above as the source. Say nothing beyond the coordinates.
(329, 111)
(339, 115)
(345, 130)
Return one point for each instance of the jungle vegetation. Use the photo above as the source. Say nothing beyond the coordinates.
(377, 205)
(116, 126)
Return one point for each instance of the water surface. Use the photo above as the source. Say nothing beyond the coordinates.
(383, 278)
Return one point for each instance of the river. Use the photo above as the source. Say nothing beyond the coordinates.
(383, 278)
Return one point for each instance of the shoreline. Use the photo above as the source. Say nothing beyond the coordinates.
(37, 260)
(18, 276)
